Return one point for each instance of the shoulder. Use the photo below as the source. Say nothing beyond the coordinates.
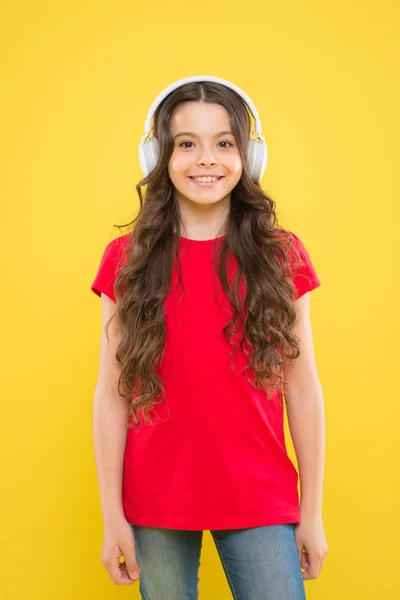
(119, 243)
(114, 258)
(288, 238)
(301, 268)
(297, 252)
(290, 246)
(117, 250)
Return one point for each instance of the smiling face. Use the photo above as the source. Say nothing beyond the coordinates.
(203, 150)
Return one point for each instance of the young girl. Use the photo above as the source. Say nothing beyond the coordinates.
(206, 328)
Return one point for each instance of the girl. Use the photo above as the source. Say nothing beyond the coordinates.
(206, 328)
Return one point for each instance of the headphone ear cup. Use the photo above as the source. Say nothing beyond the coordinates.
(149, 153)
(257, 155)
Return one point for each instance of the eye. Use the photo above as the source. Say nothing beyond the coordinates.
(223, 142)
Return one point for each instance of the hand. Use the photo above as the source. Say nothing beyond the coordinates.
(118, 540)
(310, 537)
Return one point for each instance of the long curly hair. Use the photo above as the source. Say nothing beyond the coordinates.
(261, 248)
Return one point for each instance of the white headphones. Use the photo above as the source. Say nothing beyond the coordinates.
(257, 153)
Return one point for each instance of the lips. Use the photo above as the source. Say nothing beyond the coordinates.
(217, 176)
(206, 183)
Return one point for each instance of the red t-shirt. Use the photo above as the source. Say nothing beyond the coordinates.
(216, 458)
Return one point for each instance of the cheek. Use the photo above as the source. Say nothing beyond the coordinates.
(235, 163)
(178, 163)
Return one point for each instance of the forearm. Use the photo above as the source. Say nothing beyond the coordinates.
(110, 416)
(306, 419)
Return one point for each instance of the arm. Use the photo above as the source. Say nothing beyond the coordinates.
(110, 414)
(306, 414)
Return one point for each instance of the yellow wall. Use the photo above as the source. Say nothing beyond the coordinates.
(78, 79)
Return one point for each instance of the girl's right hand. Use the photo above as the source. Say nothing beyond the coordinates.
(118, 540)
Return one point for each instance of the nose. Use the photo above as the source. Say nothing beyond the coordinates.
(206, 158)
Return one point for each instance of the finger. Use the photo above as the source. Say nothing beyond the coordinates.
(312, 569)
(305, 563)
(117, 571)
(125, 575)
(300, 553)
(132, 566)
(118, 575)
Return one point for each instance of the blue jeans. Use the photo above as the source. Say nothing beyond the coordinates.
(260, 563)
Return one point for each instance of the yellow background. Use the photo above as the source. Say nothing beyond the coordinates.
(78, 79)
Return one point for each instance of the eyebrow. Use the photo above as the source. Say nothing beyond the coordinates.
(196, 136)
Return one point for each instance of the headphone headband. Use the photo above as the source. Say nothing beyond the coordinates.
(170, 88)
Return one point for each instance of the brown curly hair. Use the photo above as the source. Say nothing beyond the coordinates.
(260, 246)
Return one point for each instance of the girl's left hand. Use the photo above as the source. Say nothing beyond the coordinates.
(311, 544)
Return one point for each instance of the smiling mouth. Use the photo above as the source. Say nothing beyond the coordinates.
(206, 183)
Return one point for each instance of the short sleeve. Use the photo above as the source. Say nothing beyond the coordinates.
(305, 277)
(109, 268)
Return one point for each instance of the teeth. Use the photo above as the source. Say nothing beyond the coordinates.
(205, 179)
